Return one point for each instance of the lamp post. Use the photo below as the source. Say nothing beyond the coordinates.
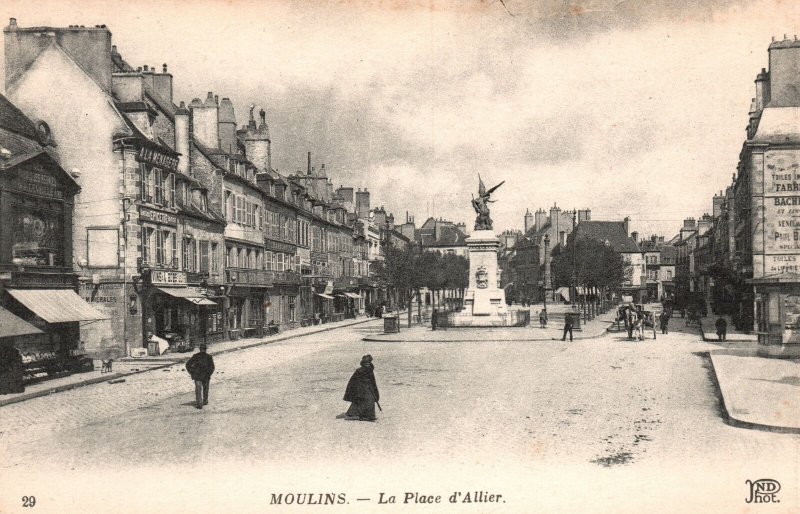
(547, 285)
(574, 290)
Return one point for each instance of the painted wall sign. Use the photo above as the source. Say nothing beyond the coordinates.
(37, 236)
(36, 180)
(163, 218)
(155, 158)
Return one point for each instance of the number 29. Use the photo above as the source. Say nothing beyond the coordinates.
(28, 501)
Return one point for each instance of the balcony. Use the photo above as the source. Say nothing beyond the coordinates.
(284, 277)
(254, 277)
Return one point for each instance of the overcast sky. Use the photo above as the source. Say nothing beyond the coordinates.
(627, 108)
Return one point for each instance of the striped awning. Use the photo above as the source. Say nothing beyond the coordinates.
(12, 326)
(56, 305)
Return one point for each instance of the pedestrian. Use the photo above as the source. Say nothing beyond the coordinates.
(664, 319)
(201, 367)
(567, 326)
(434, 313)
(631, 322)
(362, 392)
(722, 328)
(543, 318)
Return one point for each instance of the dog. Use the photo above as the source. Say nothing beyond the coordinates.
(107, 365)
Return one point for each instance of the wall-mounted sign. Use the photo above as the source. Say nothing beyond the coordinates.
(37, 236)
(60, 280)
(278, 246)
(35, 179)
(164, 218)
(155, 158)
(167, 278)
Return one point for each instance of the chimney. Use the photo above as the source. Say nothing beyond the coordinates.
(762, 90)
(309, 164)
(205, 121)
(529, 223)
(162, 84)
(626, 225)
(227, 128)
(541, 219)
(784, 68)
(718, 202)
(362, 203)
(554, 218)
(182, 138)
(89, 47)
(635, 236)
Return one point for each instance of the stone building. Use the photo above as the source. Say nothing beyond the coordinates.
(40, 310)
(766, 202)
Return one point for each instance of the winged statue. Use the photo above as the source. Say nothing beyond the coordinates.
(481, 205)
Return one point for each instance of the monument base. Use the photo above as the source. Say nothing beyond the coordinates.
(484, 302)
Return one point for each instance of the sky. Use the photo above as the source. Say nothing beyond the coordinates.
(627, 108)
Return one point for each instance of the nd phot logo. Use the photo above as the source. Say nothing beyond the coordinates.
(763, 490)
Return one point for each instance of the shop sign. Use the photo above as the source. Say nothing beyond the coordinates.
(35, 179)
(163, 218)
(60, 280)
(277, 246)
(37, 236)
(167, 278)
(155, 158)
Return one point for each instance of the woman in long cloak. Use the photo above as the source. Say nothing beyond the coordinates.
(362, 392)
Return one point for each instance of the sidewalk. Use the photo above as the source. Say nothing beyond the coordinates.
(130, 366)
(708, 330)
(758, 392)
(423, 333)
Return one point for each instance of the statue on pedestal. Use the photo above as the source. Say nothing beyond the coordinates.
(481, 205)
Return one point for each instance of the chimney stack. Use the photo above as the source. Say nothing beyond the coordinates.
(182, 138)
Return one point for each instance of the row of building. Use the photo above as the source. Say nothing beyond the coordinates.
(127, 213)
(525, 255)
(743, 259)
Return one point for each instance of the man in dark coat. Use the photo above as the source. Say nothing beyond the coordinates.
(567, 326)
(200, 367)
(664, 319)
(722, 328)
(362, 391)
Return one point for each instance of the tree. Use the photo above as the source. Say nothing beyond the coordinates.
(596, 265)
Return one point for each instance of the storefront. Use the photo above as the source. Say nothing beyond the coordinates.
(179, 312)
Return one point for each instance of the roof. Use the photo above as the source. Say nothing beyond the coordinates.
(12, 326)
(669, 251)
(778, 125)
(14, 120)
(611, 231)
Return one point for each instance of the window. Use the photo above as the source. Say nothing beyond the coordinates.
(147, 182)
(102, 247)
(292, 309)
(174, 249)
(161, 236)
(189, 254)
(280, 266)
(230, 207)
(204, 257)
(214, 259)
(158, 181)
(268, 261)
(147, 249)
(669, 274)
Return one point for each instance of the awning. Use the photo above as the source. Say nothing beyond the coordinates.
(12, 326)
(329, 297)
(353, 295)
(56, 305)
(187, 293)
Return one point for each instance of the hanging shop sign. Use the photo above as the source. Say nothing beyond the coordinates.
(167, 278)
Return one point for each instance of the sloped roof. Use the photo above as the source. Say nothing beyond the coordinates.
(14, 120)
(779, 125)
(669, 251)
(611, 231)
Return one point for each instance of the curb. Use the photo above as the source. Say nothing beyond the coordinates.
(735, 422)
(115, 376)
(373, 339)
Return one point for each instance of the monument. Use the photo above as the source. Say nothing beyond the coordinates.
(484, 301)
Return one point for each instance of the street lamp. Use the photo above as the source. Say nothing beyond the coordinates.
(546, 270)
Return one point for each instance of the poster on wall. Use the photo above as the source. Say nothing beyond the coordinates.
(37, 236)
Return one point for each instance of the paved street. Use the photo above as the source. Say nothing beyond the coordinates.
(632, 426)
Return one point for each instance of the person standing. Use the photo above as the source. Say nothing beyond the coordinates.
(664, 321)
(201, 367)
(567, 326)
(722, 328)
(543, 318)
(362, 392)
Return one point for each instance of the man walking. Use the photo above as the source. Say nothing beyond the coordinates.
(200, 367)
(722, 328)
(567, 326)
(664, 319)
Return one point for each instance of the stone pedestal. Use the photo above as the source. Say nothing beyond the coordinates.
(484, 301)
